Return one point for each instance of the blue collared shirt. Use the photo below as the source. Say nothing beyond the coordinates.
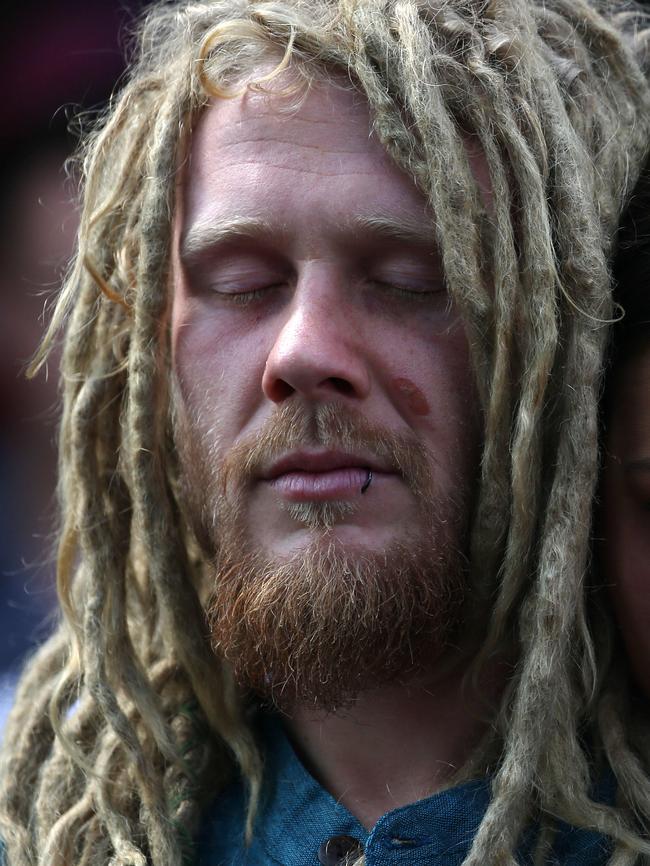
(297, 816)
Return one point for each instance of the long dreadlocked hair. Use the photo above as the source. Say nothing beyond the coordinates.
(124, 722)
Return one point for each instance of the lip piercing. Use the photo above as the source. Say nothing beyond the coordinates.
(367, 482)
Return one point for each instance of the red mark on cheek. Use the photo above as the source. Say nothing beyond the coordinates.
(413, 397)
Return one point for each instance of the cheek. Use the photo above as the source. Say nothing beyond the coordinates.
(433, 388)
(218, 365)
(411, 395)
(439, 383)
(197, 361)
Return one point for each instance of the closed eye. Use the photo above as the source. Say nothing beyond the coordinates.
(415, 292)
(243, 296)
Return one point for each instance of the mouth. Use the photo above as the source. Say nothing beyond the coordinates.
(323, 476)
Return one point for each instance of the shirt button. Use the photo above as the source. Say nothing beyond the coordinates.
(340, 851)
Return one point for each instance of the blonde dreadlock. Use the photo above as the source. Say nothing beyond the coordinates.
(124, 715)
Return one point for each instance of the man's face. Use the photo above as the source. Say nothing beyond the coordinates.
(314, 343)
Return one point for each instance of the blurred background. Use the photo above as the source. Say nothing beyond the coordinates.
(59, 61)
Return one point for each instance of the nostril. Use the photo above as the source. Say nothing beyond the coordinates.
(281, 390)
(342, 386)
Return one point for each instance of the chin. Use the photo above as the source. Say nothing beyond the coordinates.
(333, 617)
(347, 541)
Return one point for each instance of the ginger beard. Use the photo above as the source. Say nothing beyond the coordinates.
(331, 620)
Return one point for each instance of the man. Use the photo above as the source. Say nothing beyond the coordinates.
(333, 348)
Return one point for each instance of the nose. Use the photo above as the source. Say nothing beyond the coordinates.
(318, 353)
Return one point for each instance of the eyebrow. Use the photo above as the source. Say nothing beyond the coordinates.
(205, 235)
(407, 229)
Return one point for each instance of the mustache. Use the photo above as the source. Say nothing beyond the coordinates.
(329, 425)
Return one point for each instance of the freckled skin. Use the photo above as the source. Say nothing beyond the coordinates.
(413, 396)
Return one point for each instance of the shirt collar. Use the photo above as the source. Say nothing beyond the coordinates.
(297, 816)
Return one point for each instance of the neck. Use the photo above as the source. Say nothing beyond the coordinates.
(397, 744)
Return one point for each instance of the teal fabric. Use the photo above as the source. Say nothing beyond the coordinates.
(297, 815)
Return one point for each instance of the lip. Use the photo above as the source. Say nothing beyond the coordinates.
(314, 462)
(313, 476)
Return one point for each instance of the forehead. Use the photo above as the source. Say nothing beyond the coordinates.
(262, 154)
(324, 116)
(270, 156)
